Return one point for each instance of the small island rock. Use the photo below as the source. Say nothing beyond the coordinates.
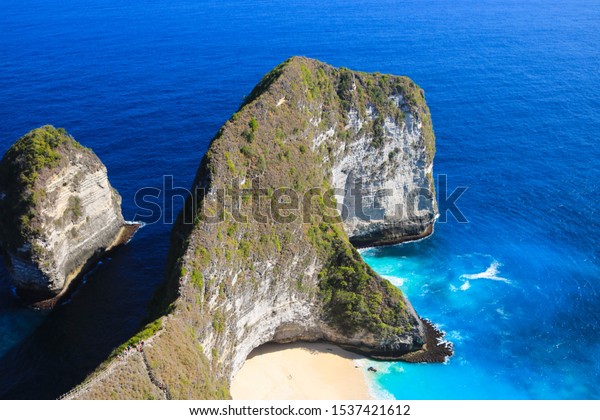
(58, 212)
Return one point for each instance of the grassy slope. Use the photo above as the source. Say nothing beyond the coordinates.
(271, 137)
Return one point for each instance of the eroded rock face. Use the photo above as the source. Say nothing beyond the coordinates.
(308, 127)
(241, 273)
(388, 190)
(58, 211)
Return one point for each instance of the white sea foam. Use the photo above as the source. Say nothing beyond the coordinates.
(491, 274)
(396, 281)
(376, 390)
(465, 286)
(455, 336)
(502, 313)
(369, 251)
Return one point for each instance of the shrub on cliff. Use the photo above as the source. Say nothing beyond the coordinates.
(20, 168)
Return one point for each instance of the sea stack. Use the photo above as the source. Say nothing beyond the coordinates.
(58, 212)
(316, 160)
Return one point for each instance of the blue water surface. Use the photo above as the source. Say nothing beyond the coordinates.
(514, 91)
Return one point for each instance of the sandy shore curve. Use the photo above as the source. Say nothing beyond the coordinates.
(301, 371)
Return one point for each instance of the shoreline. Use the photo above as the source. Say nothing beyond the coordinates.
(435, 350)
(322, 371)
(301, 371)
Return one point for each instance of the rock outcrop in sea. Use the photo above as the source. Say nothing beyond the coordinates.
(316, 159)
(58, 212)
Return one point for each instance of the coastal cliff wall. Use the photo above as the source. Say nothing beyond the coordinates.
(58, 210)
(385, 169)
(262, 250)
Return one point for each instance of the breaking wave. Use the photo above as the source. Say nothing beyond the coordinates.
(491, 273)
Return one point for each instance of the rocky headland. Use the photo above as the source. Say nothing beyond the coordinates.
(58, 213)
(316, 161)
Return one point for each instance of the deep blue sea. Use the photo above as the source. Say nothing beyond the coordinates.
(514, 91)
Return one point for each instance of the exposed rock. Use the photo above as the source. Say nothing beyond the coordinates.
(435, 350)
(242, 273)
(58, 211)
(385, 167)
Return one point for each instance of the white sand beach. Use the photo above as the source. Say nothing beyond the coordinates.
(299, 371)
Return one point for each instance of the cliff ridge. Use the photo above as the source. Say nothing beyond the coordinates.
(315, 160)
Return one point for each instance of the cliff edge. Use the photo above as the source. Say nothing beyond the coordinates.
(58, 212)
(316, 159)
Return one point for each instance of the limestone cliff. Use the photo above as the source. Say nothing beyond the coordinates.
(384, 170)
(57, 211)
(262, 250)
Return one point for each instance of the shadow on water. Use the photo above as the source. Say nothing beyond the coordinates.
(404, 250)
(79, 335)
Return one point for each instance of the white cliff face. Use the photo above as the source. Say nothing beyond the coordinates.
(276, 296)
(80, 217)
(273, 294)
(386, 192)
(261, 310)
(77, 216)
(270, 308)
(234, 285)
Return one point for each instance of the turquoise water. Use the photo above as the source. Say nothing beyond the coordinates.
(514, 91)
(516, 322)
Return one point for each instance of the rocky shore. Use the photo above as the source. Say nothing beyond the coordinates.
(58, 214)
(435, 349)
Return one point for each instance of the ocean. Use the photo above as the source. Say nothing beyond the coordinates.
(514, 92)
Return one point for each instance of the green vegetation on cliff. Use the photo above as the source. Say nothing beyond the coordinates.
(273, 127)
(262, 224)
(40, 150)
(355, 297)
